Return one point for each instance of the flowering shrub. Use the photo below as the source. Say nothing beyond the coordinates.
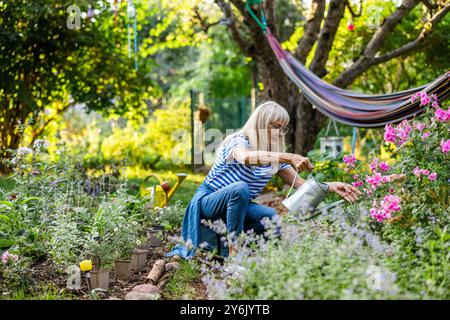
(14, 272)
(408, 193)
(393, 243)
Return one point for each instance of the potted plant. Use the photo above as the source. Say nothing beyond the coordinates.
(125, 240)
(154, 232)
(154, 235)
(101, 261)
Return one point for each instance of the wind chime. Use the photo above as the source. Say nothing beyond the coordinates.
(131, 12)
(332, 145)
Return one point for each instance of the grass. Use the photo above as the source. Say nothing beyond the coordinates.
(185, 191)
(180, 285)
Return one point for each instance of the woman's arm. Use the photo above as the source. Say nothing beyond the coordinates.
(243, 155)
(288, 175)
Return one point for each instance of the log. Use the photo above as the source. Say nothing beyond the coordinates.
(156, 272)
(163, 280)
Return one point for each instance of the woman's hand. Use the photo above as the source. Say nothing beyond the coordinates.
(346, 191)
(300, 163)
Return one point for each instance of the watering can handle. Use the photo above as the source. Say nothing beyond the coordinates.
(292, 185)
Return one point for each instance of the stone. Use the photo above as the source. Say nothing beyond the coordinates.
(147, 288)
(134, 295)
(172, 266)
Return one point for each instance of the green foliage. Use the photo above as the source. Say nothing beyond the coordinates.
(48, 65)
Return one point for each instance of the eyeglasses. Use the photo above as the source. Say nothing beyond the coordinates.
(282, 129)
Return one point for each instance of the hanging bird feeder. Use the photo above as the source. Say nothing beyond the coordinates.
(332, 145)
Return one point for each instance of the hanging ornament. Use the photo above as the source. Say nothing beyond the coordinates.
(350, 25)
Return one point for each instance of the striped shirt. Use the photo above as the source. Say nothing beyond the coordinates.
(227, 170)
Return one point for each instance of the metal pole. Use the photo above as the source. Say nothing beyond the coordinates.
(192, 95)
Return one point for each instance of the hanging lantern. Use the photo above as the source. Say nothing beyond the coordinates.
(350, 25)
(203, 111)
(332, 145)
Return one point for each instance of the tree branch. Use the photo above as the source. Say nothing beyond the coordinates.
(355, 15)
(311, 30)
(38, 132)
(234, 27)
(335, 13)
(203, 24)
(364, 63)
(377, 41)
(430, 5)
(416, 42)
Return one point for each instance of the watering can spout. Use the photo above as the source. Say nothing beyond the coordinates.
(180, 178)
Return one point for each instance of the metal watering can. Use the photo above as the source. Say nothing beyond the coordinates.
(306, 199)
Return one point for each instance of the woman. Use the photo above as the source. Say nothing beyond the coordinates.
(245, 162)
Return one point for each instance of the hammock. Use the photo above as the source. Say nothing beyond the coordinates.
(353, 108)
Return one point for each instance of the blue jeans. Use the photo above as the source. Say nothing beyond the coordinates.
(232, 205)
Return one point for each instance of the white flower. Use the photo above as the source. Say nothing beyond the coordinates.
(23, 151)
(41, 144)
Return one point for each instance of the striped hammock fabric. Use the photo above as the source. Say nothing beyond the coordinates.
(353, 108)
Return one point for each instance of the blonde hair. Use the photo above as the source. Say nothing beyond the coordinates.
(256, 129)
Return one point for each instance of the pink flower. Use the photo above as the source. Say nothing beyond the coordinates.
(377, 214)
(355, 177)
(374, 180)
(424, 100)
(391, 190)
(403, 130)
(442, 115)
(385, 179)
(358, 183)
(445, 146)
(418, 172)
(432, 176)
(384, 166)
(435, 104)
(420, 126)
(8, 257)
(425, 135)
(389, 134)
(349, 161)
(374, 165)
(390, 203)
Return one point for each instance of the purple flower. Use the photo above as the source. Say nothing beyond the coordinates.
(432, 176)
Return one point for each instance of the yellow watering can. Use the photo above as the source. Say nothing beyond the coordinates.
(161, 193)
